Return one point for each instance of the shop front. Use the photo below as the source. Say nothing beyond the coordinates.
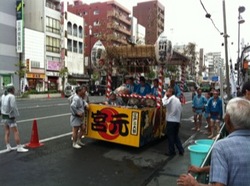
(35, 81)
(53, 80)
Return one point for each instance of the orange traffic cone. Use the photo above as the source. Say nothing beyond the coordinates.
(34, 140)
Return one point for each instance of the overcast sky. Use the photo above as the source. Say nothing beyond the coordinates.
(185, 22)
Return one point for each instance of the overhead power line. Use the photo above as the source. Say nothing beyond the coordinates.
(209, 17)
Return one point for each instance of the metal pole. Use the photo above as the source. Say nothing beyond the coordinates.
(226, 51)
(238, 59)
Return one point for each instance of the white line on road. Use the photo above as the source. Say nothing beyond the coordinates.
(41, 118)
(43, 140)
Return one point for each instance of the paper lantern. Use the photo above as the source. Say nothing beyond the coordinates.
(98, 54)
(163, 49)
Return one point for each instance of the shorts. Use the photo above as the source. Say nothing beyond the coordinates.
(214, 117)
(9, 122)
(198, 112)
(206, 115)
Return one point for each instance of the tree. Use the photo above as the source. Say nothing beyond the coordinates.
(21, 71)
(190, 51)
(63, 74)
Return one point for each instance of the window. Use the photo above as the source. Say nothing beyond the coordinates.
(80, 47)
(96, 23)
(75, 46)
(35, 64)
(80, 32)
(96, 12)
(52, 25)
(69, 28)
(52, 44)
(69, 47)
(74, 30)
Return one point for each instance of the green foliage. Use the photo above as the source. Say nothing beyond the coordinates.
(21, 69)
(25, 95)
(63, 73)
(150, 75)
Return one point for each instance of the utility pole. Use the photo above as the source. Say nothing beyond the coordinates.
(226, 50)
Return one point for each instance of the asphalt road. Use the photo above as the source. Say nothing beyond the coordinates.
(98, 163)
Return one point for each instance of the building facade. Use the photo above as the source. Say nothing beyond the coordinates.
(150, 14)
(9, 57)
(213, 63)
(58, 45)
(106, 21)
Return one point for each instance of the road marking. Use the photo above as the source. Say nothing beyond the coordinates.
(41, 118)
(43, 140)
(56, 137)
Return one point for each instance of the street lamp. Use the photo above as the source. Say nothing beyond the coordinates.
(240, 21)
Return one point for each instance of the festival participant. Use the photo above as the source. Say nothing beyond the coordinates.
(214, 110)
(143, 88)
(114, 100)
(77, 109)
(198, 106)
(173, 117)
(9, 112)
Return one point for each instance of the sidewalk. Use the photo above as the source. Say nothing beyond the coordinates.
(175, 166)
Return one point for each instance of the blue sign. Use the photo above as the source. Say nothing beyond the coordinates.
(215, 78)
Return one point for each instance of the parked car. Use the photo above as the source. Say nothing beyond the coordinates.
(97, 90)
(205, 86)
(192, 84)
(69, 90)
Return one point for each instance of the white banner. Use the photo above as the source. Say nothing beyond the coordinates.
(19, 36)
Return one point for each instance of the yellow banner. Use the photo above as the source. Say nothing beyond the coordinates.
(128, 126)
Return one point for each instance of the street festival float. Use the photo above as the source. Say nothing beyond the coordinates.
(142, 120)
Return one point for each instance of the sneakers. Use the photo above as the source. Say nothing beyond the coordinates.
(76, 146)
(80, 143)
(21, 149)
(8, 148)
(206, 127)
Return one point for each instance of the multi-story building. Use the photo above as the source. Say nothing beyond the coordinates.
(106, 21)
(8, 45)
(150, 14)
(213, 63)
(138, 32)
(49, 32)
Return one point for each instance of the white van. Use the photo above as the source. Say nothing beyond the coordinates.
(69, 90)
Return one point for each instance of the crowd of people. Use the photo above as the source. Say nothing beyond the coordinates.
(230, 161)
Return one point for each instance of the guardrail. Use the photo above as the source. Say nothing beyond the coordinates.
(204, 177)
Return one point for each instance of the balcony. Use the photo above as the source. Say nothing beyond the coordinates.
(119, 28)
(119, 16)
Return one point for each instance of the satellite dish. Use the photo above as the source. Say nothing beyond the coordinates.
(163, 49)
(98, 54)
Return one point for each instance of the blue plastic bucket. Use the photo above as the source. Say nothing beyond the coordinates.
(198, 154)
(204, 142)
